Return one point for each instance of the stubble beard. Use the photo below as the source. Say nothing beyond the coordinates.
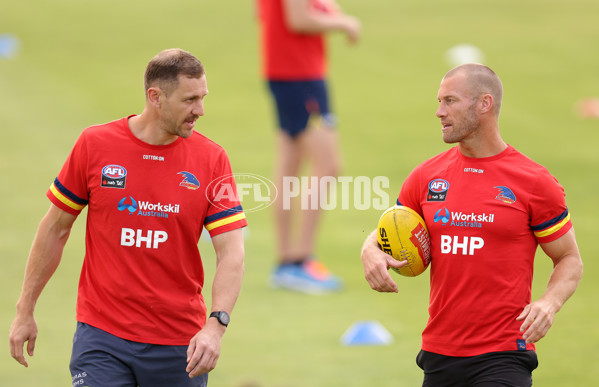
(172, 127)
(460, 130)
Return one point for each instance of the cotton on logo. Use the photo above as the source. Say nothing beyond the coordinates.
(130, 237)
(451, 245)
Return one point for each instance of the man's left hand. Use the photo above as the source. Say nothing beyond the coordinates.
(204, 349)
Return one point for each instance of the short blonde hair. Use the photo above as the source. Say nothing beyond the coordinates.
(481, 80)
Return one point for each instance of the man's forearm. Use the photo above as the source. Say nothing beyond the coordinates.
(44, 257)
(229, 270)
(563, 281)
(227, 283)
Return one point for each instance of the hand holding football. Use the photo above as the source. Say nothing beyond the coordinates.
(402, 234)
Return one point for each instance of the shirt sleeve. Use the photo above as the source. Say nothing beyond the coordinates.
(69, 190)
(550, 217)
(225, 212)
(410, 195)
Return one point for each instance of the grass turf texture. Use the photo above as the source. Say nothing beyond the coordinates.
(82, 63)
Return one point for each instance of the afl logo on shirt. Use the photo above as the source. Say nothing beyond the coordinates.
(437, 190)
(114, 176)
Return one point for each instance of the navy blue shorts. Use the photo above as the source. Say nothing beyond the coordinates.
(494, 369)
(100, 359)
(298, 101)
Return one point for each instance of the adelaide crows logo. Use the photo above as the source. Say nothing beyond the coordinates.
(505, 195)
(189, 181)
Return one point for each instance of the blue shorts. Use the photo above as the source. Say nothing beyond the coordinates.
(100, 359)
(509, 368)
(298, 101)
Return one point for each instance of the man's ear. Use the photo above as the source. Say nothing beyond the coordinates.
(487, 104)
(153, 96)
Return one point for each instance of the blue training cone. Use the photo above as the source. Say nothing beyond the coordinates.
(366, 333)
(9, 46)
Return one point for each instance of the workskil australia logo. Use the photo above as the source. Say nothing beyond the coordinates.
(462, 219)
(442, 215)
(144, 208)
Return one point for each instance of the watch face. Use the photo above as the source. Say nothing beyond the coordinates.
(224, 318)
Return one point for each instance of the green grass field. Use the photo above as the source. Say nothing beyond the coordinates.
(81, 63)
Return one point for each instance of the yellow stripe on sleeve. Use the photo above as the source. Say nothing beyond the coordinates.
(225, 221)
(551, 230)
(64, 199)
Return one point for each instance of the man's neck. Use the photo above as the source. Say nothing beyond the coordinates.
(147, 130)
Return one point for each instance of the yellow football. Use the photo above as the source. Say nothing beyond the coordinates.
(403, 235)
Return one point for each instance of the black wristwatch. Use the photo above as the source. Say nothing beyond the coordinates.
(222, 317)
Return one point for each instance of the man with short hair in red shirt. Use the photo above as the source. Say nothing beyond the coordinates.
(487, 208)
(148, 183)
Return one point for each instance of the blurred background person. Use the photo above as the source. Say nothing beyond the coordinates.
(295, 66)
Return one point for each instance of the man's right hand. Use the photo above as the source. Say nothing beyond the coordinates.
(376, 266)
(23, 329)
